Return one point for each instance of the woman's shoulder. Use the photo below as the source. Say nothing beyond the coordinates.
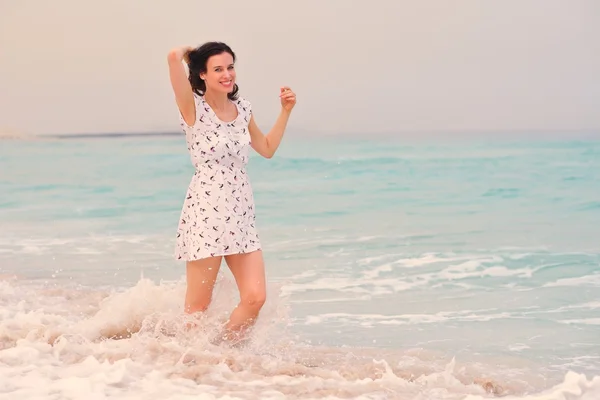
(244, 104)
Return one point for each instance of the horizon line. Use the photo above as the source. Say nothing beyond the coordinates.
(414, 134)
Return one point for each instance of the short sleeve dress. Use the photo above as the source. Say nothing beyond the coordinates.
(218, 214)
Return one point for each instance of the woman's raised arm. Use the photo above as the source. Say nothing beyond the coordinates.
(181, 85)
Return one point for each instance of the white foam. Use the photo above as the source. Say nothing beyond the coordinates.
(591, 305)
(55, 344)
(345, 284)
(370, 320)
(495, 271)
(586, 280)
(384, 275)
(518, 347)
(582, 321)
(574, 387)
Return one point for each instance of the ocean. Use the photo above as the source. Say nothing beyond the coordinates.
(398, 269)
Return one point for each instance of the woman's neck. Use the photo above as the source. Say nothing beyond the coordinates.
(217, 101)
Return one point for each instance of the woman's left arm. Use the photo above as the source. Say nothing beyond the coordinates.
(266, 145)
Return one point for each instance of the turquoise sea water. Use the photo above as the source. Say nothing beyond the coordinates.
(397, 269)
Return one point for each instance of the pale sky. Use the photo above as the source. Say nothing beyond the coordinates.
(389, 66)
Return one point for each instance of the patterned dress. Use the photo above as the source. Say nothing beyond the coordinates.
(218, 216)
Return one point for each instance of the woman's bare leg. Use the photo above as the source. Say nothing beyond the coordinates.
(201, 276)
(249, 273)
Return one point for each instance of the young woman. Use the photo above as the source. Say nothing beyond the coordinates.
(218, 215)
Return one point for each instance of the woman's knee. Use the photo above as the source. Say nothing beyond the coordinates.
(198, 298)
(254, 299)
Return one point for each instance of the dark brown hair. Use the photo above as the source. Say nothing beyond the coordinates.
(197, 60)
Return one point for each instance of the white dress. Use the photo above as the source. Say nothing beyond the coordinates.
(218, 216)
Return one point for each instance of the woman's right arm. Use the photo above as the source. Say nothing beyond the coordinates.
(181, 85)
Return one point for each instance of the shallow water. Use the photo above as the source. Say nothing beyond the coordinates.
(396, 269)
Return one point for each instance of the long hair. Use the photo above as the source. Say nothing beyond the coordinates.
(196, 60)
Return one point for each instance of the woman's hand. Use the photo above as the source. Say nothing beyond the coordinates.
(186, 53)
(288, 98)
(180, 53)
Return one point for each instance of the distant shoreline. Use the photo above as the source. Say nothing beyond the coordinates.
(86, 135)
(437, 136)
(14, 136)
(109, 135)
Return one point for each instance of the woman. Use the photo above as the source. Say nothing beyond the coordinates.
(218, 215)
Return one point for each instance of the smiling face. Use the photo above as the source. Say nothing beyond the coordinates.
(220, 73)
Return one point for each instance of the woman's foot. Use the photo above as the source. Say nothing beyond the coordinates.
(231, 339)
